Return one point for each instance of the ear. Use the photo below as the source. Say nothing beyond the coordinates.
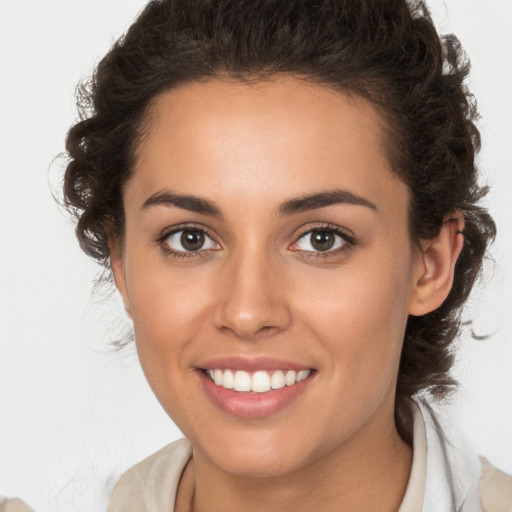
(433, 277)
(118, 270)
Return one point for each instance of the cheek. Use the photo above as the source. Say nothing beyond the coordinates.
(168, 314)
(359, 313)
(168, 310)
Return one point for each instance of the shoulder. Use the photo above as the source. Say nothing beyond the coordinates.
(152, 483)
(495, 488)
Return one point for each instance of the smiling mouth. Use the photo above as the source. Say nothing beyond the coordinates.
(260, 381)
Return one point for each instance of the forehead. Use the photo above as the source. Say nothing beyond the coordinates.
(278, 138)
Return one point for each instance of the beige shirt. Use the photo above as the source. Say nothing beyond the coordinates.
(13, 505)
(434, 485)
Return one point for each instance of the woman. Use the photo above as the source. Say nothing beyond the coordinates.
(286, 195)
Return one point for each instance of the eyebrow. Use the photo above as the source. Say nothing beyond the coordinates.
(187, 202)
(296, 205)
(322, 200)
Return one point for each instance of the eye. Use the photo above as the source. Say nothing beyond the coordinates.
(322, 240)
(189, 240)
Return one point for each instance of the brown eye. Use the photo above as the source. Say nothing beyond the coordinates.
(192, 240)
(189, 240)
(322, 240)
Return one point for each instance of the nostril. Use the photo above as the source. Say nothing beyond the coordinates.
(247, 333)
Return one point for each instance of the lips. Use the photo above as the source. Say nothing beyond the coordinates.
(254, 388)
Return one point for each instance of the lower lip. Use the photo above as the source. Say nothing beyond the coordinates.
(252, 405)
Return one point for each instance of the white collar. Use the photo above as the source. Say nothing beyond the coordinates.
(445, 470)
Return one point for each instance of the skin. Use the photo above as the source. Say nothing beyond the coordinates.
(258, 288)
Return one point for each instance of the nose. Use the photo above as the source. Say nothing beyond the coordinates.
(252, 297)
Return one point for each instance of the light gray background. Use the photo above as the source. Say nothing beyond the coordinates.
(73, 414)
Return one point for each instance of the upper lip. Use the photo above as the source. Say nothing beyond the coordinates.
(251, 364)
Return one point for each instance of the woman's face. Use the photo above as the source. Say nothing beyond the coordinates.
(266, 235)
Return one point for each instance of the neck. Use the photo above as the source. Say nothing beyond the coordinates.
(368, 472)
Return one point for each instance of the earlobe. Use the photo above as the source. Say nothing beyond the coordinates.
(434, 273)
(118, 271)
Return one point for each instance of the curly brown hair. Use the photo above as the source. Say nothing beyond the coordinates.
(387, 52)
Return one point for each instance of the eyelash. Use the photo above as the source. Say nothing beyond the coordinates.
(173, 253)
(349, 240)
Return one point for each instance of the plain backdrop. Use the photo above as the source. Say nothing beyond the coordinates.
(74, 413)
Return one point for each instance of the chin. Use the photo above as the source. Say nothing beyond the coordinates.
(257, 453)
(260, 465)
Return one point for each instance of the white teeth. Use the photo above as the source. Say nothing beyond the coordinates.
(242, 381)
(290, 377)
(303, 374)
(260, 381)
(228, 380)
(277, 380)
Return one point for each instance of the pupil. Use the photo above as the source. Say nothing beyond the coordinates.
(322, 240)
(192, 240)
